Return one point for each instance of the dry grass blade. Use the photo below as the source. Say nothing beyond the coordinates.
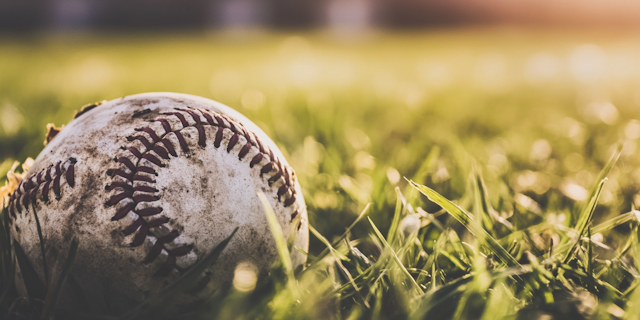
(465, 219)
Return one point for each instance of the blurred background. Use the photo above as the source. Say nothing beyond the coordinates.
(291, 14)
(360, 93)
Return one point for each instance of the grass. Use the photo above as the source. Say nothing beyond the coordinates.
(518, 148)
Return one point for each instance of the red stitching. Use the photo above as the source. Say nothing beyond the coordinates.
(256, 160)
(202, 138)
(135, 152)
(25, 199)
(162, 152)
(291, 200)
(145, 189)
(148, 211)
(283, 189)
(232, 142)
(208, 117)
(158, 222)
(120, 173)
(267, 168)
(145, 198)
(148, 170)
(138, 239)
(47, 176)
(245, 150)
(123, 185)
(183, 143)
(127, 162)
(143, 178)
(151, 133)
(58, 170)
(154, 252)
(169, 237)
(132, 227)
(193, 115)
(218, 139)
(275, 177)
(165, 125)
(16, 202)
(181, 251)
(167, 144)
(219, 120)
(169, 264)
(29, 190)
(142, 139)
(45, 191)
(180, 116)
(123, 211)
(153, 159)
(118, 197)
(164, 147)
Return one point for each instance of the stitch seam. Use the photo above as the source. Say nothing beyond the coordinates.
(163, 149)
(28, 189)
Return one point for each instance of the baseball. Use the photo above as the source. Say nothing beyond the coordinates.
(149, 184)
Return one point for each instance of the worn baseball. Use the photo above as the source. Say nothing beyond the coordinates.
(151, 183)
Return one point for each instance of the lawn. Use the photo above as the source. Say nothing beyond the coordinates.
(506, 134)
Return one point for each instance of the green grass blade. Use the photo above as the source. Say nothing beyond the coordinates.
(454, 210)
(481, 204)
(51, 300)
(397, 216)
(185, 283)
(616, 221)
(84, 305)
(427, 164)
(7, 259)
(344, 234)
(467, 221)
(281, 243)
(326, 242)
(607, 167)
(9, 283)
(338, 257)
(628, 245)
(584, 220)
(34, 285)
(459, 248)
(499, 304)
(396, 259)
(42, 246)
(431, 260)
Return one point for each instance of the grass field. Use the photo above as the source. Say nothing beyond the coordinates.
(516, 128)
